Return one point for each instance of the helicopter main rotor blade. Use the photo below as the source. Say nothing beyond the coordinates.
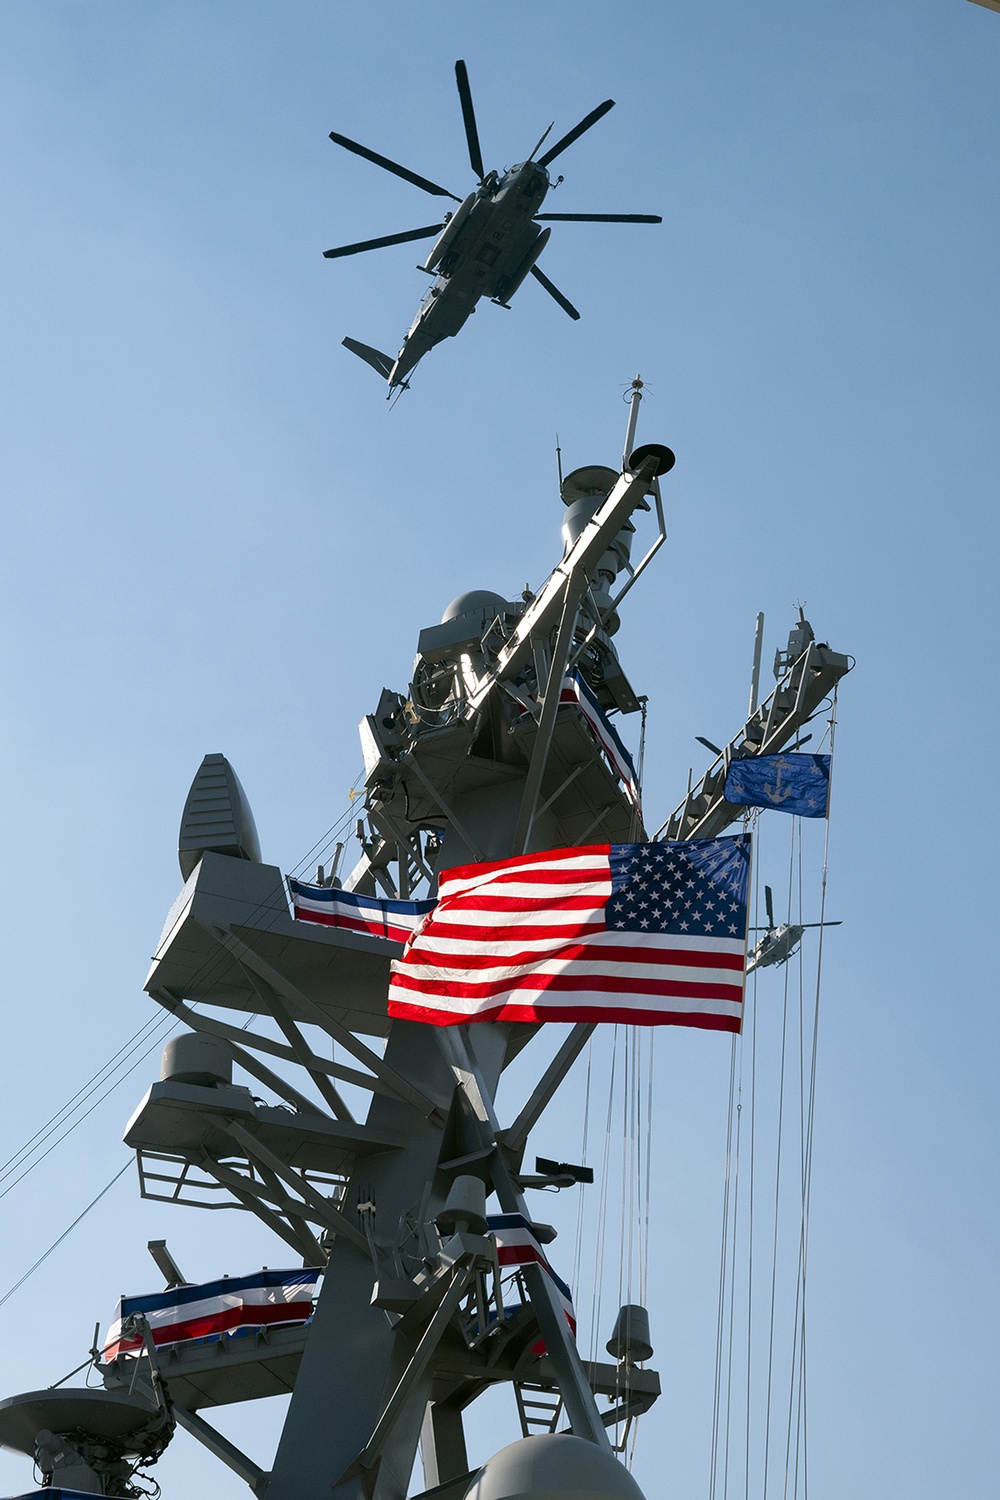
(469, 116)
(604, 218)
(769, 905)
(838, 923)
(388, 239)
(554, 291)
(576, 132)
(392, 166)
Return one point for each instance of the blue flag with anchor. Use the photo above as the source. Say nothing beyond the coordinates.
(793, 783)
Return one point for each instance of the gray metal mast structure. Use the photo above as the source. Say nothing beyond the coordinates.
(481, 759)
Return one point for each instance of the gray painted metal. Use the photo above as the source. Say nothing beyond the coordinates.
(478, 760)
(384, 1347)
(485, 248)
(554, 1466)
(221, 1447)
(110, 1415)
(216, 816)
(245, 1368)
(345, 973)
(805, 683)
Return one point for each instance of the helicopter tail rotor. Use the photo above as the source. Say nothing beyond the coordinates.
(576, 132)
(469, 116)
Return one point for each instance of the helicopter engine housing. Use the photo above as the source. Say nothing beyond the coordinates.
(448, 233)
(510, 286)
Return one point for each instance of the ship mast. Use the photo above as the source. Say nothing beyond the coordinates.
(486, 755)
(480, 760)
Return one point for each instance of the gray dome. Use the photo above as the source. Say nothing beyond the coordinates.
(556, 1466)
(482, 601)
(594, 479)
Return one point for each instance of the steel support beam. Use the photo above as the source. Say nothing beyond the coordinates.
(238, 1037)
(542, 613)
(302, 1052)
(328, 1213)
(575, 588)
(354, 1358)
(299, 1236)
(251, 1473)
(516, 1135)
(431, 1337)
(251, 1064)
(560, 1345)
(400, 1086)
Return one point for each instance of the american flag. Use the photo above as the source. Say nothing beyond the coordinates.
(652, 934)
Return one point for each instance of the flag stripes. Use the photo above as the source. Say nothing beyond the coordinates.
(233, 1303)
(329, 906)
(652, 934)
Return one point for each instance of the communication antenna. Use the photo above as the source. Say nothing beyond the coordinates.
(758, 642)
(633, 416)
(559, 462)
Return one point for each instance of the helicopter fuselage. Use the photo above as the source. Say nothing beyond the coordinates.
(485, 249)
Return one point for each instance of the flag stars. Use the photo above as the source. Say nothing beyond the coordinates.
(703, 883)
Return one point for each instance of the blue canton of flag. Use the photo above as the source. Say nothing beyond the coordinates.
(696, 887)
(793, 783)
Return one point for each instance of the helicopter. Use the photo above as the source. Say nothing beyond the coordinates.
(779, 942)
(486, 247)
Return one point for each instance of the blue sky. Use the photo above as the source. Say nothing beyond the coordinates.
(219, 538)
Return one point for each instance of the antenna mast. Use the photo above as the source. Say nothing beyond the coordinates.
(633, 416)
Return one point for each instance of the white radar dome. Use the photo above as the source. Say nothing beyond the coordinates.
(478, 600)
(554, 1466)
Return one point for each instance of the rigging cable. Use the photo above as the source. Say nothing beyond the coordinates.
(799, 1336)
(44, 1131)
(644, 1178)
(152, 1030)
(581, 1202)
(732, 1272)
(57, 1242)
(753, 1166)
(811, 1110)
(723, 1265)
(796, 828)
(601, 1236)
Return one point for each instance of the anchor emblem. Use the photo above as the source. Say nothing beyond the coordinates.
(776, 793)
